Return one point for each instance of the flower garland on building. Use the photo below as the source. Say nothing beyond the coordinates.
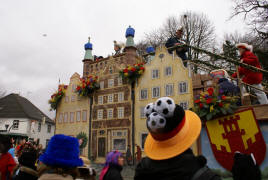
(132, 73)
(56, 97)
(82, 137)
(87, 85)
(213, 103)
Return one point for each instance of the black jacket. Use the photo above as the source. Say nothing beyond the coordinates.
(26, 173)
(113, 173)
(171, 42)
(228, 88)
(182, 167)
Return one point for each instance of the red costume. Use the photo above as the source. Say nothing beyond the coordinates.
(7, 164)
(250, 77)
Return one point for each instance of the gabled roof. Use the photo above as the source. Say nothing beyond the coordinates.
(16, 106)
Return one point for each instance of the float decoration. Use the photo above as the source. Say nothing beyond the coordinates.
(82, 137)
(213, 103)
(56, 97)
(132, 73)
(87, 85)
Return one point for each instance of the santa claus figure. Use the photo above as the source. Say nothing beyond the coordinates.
(248, 76)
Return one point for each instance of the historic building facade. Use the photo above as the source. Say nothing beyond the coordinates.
(165, 75)
(72, 116)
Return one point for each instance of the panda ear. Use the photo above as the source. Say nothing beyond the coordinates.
(179, 112)
(253, 158)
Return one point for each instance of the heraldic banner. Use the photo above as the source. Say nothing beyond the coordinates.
(236, 132)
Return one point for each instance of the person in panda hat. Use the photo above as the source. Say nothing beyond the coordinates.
(172, 133)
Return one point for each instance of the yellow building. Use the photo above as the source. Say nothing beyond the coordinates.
(72, 116)
(165, 75)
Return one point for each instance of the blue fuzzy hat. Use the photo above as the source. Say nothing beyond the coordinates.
(62, 151)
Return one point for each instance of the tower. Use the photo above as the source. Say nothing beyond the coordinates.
(130, 45)
(88, 58)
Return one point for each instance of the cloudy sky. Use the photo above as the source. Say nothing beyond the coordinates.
(42, 41)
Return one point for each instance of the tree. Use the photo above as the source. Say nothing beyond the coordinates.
(255, 13)
(229, 50)
(198, 31)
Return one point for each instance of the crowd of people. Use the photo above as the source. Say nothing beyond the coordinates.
(172, 131)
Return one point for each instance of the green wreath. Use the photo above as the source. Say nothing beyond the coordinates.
(82, 136)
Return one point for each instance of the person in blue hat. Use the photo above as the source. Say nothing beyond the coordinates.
(61, 159)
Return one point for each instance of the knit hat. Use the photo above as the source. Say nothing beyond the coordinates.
(62, 151)
(172, 130)
(245, 46)
(219, 73)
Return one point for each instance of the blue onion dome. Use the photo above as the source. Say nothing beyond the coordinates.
(130, 31)
(88, 45)
(150, 49)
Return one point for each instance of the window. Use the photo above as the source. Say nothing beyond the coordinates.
(110, 113)
(120, 97)
(119, 140)
(47, 141)
(100, 114)
(73, 98)
(100, 99)
(72, 117)
(119, 144)
(183, 87)
(142, 114)
(143, 138)
(66, 117)
(120, 80)
(39, 127)
(73, 87)
(120, 112)
(16, 124)
(48, 128)
(144, 94)
(169, 89)
(110, 70)
(110, 98)
(184, 105)
(60, 118)
(110, 83)
(155, 74)
(155, 92)
(84, 115)
(168, 71)
(102, 85)
(78, 116)
(66, 99)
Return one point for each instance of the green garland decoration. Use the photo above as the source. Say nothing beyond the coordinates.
(82, 136)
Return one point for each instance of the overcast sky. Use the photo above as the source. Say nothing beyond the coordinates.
(42, 41)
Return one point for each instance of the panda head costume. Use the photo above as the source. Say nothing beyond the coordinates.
(172, 130)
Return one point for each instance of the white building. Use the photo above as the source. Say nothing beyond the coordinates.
(19, 118)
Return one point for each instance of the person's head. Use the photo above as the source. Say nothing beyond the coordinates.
(62, 153)
(28, 157)
(114, 158)
(5, 144)
(172, 130)
(218, 74)
(243, 47)
(22, 141)
(40, 146)
(179, 33)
